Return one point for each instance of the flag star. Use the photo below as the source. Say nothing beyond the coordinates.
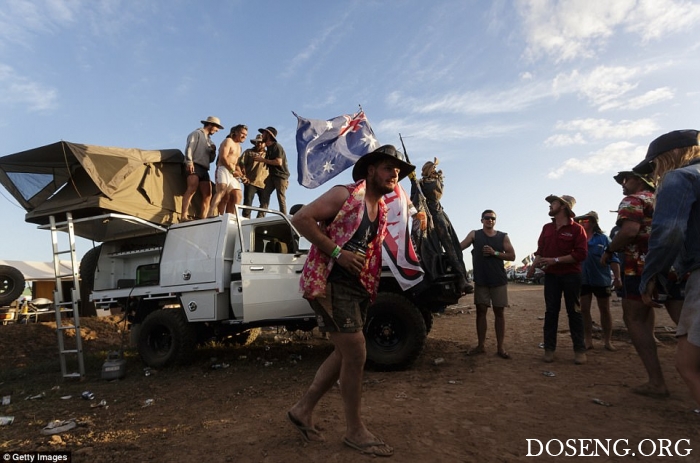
(329, 125)
(369, 140)
(327, 167)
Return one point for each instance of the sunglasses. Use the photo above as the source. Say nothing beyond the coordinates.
(489, 218)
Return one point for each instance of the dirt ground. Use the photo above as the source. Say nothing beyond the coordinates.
(464, 408)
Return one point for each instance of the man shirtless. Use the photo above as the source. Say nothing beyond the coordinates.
(228, 172)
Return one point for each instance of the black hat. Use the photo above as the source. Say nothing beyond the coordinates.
(270, 130)
(667, 142)
(383, 152)
(622, 175)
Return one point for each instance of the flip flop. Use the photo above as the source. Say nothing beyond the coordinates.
(504, 355)
(58, 426)
(305, 430)
(375, 448)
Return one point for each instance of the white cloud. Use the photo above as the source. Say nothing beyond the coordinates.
(654, 18)
(16, 90)
(649, 98)
(564, 140)
(485, 101)
(21, 19)
(569, 29)
(438, 131)
(614, 157)
(601, 129)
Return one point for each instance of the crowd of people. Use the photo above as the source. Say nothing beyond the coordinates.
(240, 176)
(651, 258)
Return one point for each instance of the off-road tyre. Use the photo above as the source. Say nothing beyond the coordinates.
(11, 284)
(86, 270)
(395, 333)
(166, 338)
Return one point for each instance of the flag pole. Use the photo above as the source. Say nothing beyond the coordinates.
(422, 203)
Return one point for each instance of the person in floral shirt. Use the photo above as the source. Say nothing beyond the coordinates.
(634, 218)
(346, 227)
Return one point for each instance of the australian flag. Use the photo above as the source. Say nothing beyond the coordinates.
(326, 148)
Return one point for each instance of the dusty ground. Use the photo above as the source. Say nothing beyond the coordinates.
(467, 408)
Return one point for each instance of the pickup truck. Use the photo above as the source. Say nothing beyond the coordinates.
(222, 277)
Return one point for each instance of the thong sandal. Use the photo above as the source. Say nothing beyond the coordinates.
(305, 430)
(375, 448)
(504, 355)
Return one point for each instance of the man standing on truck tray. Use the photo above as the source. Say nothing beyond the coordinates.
(340, 279)
(278, 177)
(561, 248)
(228, 173)
(199, 154)
(254, 173)
(491, 249)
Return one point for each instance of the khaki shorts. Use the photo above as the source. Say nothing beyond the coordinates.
(689, 320)
(496, 296)
(343, 310)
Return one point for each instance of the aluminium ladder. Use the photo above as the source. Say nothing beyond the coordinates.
(70, 305)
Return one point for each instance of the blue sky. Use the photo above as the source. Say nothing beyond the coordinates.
(517, 99)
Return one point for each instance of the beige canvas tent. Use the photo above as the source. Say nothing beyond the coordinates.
(89, 180)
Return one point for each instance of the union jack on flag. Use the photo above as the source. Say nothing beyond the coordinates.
(326, 148)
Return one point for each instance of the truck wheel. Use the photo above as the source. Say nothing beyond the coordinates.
(11, 284)
(395, 333)
(87, 269)
(166, 338)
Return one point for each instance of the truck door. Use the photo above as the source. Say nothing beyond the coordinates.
(270, 271)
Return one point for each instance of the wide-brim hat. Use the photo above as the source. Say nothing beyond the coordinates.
(590, 215)
(214, 121)
(428, 167)
(270, 130)
(664, 143)
(383, 152)
(622, 175)
(257, 139)
(568, 201)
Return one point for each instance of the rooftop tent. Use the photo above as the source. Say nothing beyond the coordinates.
(89, 180)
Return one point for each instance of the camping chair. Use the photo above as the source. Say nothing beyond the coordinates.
(36, 308)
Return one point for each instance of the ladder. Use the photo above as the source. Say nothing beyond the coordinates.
(70, 305)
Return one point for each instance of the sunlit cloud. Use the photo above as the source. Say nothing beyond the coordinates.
(614, 157)
(647, 99)
(589, 129)
(565, 30)
(439, 131)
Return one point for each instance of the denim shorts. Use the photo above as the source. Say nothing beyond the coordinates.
(343, 309)
(598, 291)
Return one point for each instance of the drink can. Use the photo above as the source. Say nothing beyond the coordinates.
(87, 395)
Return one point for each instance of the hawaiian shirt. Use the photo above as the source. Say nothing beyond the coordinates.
(319, 264)
(639, 208)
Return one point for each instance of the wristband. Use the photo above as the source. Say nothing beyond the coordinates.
(496, 253)
(336, 252)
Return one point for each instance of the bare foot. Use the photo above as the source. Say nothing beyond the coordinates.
(610, 347)
(648, 390)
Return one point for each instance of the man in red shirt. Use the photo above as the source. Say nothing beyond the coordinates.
(561, 249)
